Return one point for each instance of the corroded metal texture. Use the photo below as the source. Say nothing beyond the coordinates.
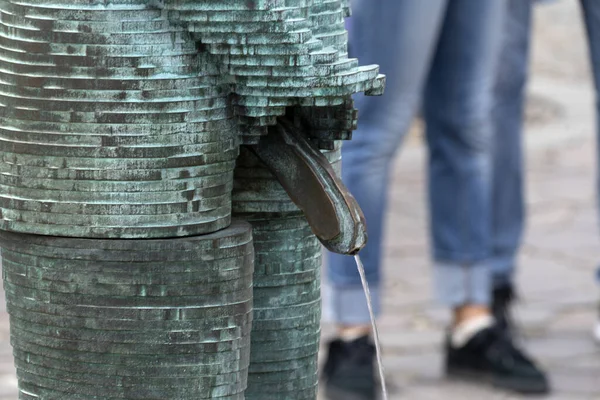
(131, 319)
(287, 302)
(279, 53)
(122, 118)
(287, 310)
(112, 123)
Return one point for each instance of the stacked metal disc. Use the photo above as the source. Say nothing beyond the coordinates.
(279, 53)
(113, 124)
(287, 310)
(130, 319)
(113, 128)
(287, 298)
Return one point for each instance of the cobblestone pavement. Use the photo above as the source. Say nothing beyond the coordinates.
(558, 260)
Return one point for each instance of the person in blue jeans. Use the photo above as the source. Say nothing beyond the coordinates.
(508, 197)
(440, 56)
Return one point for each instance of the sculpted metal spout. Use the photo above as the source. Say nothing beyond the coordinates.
(306, 175)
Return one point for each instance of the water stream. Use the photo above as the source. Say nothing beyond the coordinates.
(365, 284)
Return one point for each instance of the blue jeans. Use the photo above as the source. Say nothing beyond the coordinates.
(439, 55)
(509, 96)
(508, 203)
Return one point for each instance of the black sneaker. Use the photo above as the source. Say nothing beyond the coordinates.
(349, 371)
(502, 299)
(491, 356)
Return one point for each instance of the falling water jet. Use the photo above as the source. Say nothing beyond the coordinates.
(365, 285)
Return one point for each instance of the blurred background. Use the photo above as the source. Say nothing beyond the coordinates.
(561, 250)
(558, 260)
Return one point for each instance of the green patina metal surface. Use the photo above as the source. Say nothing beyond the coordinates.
(122, 118)
(132, 319)
(287, 310)
(287, 285)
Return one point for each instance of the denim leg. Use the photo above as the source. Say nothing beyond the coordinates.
(400, 36)
(508, 210)
(591, 14)
(457, 107)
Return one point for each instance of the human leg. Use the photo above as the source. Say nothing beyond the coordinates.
(460, 135)
(400, 36)
(457, 106)
(388, 32)
(508, 205)
(508, 210)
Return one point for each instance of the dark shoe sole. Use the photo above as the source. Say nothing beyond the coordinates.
(335, 393)
(522, 386)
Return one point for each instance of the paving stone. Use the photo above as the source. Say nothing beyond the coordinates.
(410, 341)
(590, 362)
(8, 385)
(420, 366)
(535, 318)
(556, 348)
(438, 315)
(577, 382)
(570, 321)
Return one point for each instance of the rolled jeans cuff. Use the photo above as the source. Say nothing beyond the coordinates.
(347, 305)
(460, 284)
